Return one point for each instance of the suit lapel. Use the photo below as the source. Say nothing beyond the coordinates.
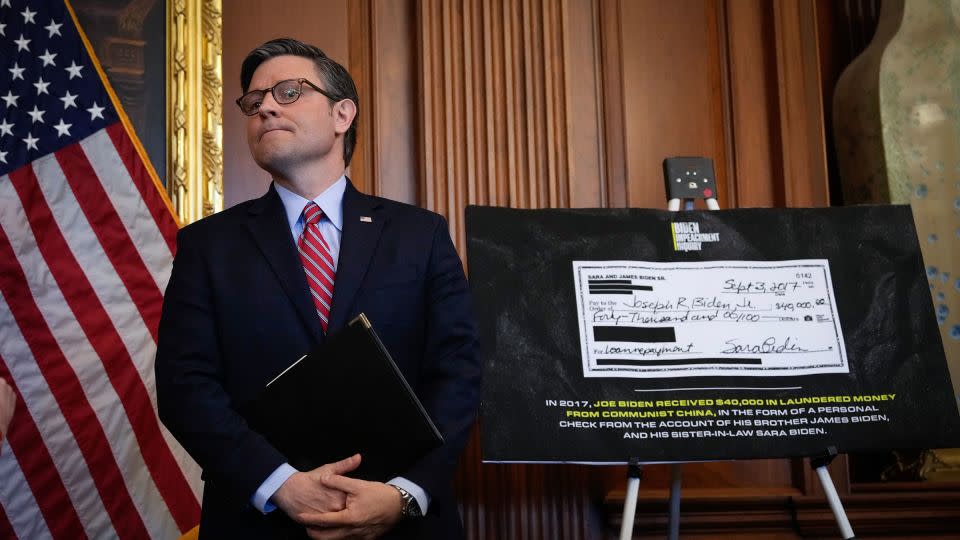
(357, 244)
(268, 225)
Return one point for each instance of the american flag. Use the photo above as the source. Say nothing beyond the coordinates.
(86, 246)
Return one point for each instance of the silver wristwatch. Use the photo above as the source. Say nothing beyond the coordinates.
(409, 507)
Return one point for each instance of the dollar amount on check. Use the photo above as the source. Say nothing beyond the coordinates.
(716, 318)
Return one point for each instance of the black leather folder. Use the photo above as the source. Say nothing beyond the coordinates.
(345, 397)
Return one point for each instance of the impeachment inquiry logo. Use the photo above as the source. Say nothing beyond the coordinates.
(687, 236)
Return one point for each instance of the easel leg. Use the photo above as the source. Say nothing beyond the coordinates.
(819, 464)
(673, 531)
(675, 480)
(846, 531)
(634, 472)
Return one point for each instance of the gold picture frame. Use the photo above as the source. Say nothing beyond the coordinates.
(194, 108)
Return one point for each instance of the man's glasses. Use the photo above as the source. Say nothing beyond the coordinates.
(284, 93)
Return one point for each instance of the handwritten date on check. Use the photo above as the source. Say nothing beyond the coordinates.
(715, 318)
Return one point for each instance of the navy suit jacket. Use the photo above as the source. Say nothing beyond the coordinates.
(237, 312)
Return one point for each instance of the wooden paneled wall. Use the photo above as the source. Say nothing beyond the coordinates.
(571, 103)
(506, 119)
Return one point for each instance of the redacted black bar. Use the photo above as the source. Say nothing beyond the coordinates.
(678, 362)
(632, 334)
(620, 287)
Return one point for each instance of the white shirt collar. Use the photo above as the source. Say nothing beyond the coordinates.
(330, 201)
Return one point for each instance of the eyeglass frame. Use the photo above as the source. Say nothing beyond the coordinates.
(264, 91)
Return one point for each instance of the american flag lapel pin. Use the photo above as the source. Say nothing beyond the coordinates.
(366, 219)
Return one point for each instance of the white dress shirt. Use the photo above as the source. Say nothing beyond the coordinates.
(331, 228)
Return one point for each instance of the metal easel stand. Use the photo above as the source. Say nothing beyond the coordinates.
(686, 179)
(634, 472)
(819, 464)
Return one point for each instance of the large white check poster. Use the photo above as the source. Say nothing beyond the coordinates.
(718, 318)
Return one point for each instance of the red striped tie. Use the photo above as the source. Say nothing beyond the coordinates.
(317, 262)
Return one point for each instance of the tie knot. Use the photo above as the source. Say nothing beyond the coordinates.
(311, 214)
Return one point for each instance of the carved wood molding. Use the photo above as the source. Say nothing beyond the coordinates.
(194, 106)
(614, 133)
(361, 68)
(802, 130)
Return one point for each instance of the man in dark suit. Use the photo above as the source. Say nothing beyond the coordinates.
(256, 286)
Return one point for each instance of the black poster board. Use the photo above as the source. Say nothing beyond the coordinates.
(544, 402)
